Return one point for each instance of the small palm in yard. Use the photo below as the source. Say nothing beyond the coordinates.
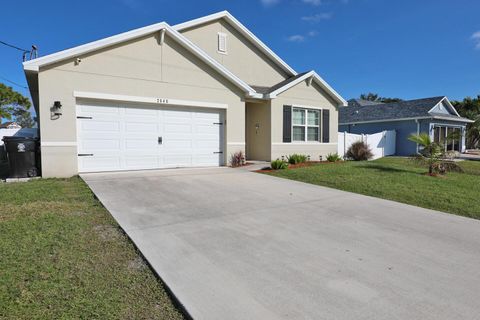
(433, 154)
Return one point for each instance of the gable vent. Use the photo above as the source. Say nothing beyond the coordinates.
(222, 42)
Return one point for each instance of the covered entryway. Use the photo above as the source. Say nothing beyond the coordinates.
(120, 136)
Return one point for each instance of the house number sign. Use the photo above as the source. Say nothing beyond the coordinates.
(162, 100)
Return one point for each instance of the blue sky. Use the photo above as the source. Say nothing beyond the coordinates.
(407, 49)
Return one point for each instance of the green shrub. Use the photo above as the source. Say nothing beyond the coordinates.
(278, 164)
(297, 158)
(359, 151)
(333, 157)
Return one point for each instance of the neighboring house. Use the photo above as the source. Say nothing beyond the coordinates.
(10, 125)
(171, 96)
(435, 116)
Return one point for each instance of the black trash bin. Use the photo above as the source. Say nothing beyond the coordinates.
(22, 153)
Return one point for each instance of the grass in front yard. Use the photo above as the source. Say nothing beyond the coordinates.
(401, 180)
(63, 256)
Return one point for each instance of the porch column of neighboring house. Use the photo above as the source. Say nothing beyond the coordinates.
(418, 132)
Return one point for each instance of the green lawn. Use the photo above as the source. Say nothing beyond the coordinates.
(399, 179)
(62, 256)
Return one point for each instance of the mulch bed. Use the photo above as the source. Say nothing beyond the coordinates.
(301, 165)
(243, 165)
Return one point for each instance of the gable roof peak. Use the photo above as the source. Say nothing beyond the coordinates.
(294, 80)
(244, 31)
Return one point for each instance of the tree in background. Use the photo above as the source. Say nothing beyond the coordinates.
(24, 118)
(375, 97)
(14, 105)
(470, 108)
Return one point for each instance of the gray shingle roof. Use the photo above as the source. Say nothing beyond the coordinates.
(361, 102)
(389, 111)
(267, 90)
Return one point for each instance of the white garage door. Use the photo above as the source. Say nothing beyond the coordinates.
(130, 137)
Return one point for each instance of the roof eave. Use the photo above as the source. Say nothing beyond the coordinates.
(409, 119)
(459, 119)
(384, 120)
(341, 101)
(36, 64)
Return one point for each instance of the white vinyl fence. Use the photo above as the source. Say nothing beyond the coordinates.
(24, 132)
(381, 143)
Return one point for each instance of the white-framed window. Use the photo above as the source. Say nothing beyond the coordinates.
(305, 124)
(222, 42)
(448, 137)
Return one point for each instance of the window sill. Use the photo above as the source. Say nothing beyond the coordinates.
(311, 143)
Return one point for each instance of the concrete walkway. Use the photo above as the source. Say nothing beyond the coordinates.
(232, 244)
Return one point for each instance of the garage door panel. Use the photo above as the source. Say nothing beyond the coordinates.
(178, 128)
(141, 162)
(207, 159)
(205, 144)
(176, 114)
(207, 115)
(212, 128)
(99, 110)
(99, 126)
(141, 144)
(99, 144)
(148, 114)
(127, 137)
(95, 136)
(177, 144)
(208, 136)
(177, 160)
(99, 163)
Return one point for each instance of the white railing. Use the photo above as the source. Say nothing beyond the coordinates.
(382, 143)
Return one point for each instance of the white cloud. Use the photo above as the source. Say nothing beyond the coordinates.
(296, 38)
(301, 37)
(313, 2)
(269, 3)
(476, 39)
(317, 17)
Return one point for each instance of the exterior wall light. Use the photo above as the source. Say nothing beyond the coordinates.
(57, 108)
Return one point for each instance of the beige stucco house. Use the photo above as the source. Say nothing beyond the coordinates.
(172, 96)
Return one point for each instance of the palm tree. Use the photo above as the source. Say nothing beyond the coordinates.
(431, 151)
(473, 129)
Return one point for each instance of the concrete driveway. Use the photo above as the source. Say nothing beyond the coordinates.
(232, 244)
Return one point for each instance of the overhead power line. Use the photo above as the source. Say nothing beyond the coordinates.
(13, 46)
(33, 53)
(14, 83)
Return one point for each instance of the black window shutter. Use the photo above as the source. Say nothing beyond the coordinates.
(326, 126)
(287, 123)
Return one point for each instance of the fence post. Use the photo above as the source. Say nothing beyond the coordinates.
(344, 143)
(384, 138)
